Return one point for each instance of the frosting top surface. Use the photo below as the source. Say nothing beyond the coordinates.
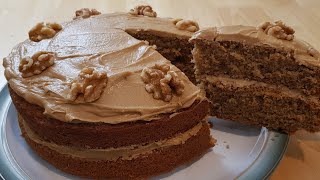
(102, 43)
(303, 51)
(128, 22)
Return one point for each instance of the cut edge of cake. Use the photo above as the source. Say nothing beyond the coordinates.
(259, 78)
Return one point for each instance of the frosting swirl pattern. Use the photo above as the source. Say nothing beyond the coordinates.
(98, 42)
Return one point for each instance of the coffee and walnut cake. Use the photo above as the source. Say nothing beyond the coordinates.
(96, 102)
(114, 95)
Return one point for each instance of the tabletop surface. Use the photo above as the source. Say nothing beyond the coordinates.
(302, 159)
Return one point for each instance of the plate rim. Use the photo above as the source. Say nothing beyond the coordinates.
(261, 168)
(6, 169)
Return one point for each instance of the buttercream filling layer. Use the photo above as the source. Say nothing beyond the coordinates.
(241, 83)
(113, 154)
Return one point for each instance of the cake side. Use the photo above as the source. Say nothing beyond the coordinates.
(157, 161)
(103, 135)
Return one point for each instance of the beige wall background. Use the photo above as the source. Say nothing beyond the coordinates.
(302, 160)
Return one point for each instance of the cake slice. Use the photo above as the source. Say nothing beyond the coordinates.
(261, 76)
(96, 102)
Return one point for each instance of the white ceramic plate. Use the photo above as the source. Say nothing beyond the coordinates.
(241, 152)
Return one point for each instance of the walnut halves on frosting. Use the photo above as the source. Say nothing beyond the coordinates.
(188, 25)
(86, 13)
(90, 83)
(162, 82)
(278, 30)
(44, 31)
(34, 65)
(144, 10)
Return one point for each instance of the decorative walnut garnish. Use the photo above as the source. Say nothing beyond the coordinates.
(144, 10)
(85, 13)
(278, 29)
(44, 31)
(162, 82)
(188, 25)
(90, 83)
(36, 64)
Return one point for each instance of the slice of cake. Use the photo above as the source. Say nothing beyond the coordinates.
(260, 76)
(95, 102)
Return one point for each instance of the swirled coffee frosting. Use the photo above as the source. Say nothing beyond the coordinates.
(99, 42)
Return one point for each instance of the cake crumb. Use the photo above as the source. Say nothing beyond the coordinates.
(210, 124)
(228, 146)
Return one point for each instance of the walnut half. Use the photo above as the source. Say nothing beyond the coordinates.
(278, 30)
(188, 25)
(162, 82)
(90, 83)
(34, 65)
(44, 31)
(144, 10)
(86, 13)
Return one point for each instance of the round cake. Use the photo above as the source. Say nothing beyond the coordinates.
(94, 99)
